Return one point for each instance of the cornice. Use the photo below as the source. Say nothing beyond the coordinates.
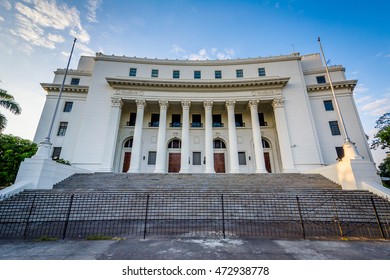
(73, 72)
(190, 85)
(67, 88)
(335, 68)
(349, 84)
(177, 62)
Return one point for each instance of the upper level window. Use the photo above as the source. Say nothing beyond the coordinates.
(128, 143)
(239, 73)
(328, 105)
(133, 72)
(154, 120)
(176, 74)
(68, 106)
(217, 120)
(154, 73)
(62, 128)
(334, 128)
(321, 80)
(218, 74)
(219, 144)
(75, 81)
(132, 119)
(176, 120)
(174, 144)
(262, 122)
(265, 144)
(197, 74)
(196, 120)
(261, 72)
(238, 119)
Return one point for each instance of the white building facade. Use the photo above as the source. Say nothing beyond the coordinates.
(255, 115)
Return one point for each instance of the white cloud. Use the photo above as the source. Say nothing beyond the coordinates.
(360, 89)
(1, 19)
(377, 107)
(92, 7)
(201, 55)
(7, 5)
(84, 49)
(177, 50)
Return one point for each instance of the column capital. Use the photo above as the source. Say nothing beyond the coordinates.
(186, 104)
(116, 102)
(278, 103)
(208, 104)
(141, 103)
(230, 104)
(163, 104)
(253, 104)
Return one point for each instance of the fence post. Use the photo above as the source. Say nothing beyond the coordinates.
(146, 214)
(377, 218)
(223, 217)
(67, 216)
(28, 217)
(300, 217)
(336, 219)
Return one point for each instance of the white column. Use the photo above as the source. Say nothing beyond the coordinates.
(162, 128)
(209, 152)
(233, 150)
(185, 135)
(283, 136)
(112, 135)
(259, 153)
(137, 138)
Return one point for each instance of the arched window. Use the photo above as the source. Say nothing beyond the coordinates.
(219, 144)
(128, 143)
(174, 144)
(265, 144)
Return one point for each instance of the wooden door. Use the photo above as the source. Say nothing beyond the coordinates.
(219, 162)
(267, 162)
(174, 162)
(126, 161)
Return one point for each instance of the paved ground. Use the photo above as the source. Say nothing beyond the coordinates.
(167, 248)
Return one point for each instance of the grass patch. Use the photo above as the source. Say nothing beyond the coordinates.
(103, 237)
(46, 238)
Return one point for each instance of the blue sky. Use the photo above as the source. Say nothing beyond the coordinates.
(36, 37)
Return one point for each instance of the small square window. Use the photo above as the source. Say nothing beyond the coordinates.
(218, 74)
(334, 128)
(133, 72)
(56, 153)
(339, 152)
(176, 74)
(152, 158)
(197, 75)
(239, 73)
(62, 129)
(68, 107)
(154, 120)
(241, 158)
(75, 81)
(321, 80)
(261, 72)
(328, 105)
(154, 73)
(196, 158)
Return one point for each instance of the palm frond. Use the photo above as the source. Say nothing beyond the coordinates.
(3, 122)
(11, 105)
(5, 95)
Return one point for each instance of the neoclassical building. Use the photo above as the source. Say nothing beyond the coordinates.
(256, 115)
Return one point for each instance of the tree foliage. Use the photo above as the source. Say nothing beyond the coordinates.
(384, 169)
(382, 137)
(7, 101)
(13, 150)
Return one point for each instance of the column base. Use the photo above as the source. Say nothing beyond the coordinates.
(261, 171)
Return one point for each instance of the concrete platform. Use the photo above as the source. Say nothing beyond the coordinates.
(197, 248)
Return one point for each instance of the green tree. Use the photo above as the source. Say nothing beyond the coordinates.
(13, 150)
(7, 101)
(382, 137)
(384, 169)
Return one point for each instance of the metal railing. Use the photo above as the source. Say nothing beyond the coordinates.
(79, 215)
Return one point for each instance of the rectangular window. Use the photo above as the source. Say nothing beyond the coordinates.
(133, 72)
(321, 80)
(132, 119)
(238, 119)
(56, 153)
(154, 120)
(75, 81)
(218, 74)
(261, 119)
(152, 158)
(196, 120)
(328, 105)
(154, 73)
(176, 120)
(239, 73)
(334, 128)
(196, 158)
(176, 74)
(340, 152)
(197, 75)
(261, 72)
(241, 158)
(68, 106)
(217, 120)
(62, 128)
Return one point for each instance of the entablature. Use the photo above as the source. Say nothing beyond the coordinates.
(349, 84)
(67, 88)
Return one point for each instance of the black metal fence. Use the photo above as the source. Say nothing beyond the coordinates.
(121, 214)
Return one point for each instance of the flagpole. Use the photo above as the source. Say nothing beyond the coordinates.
(45, 146)
(350, 150)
